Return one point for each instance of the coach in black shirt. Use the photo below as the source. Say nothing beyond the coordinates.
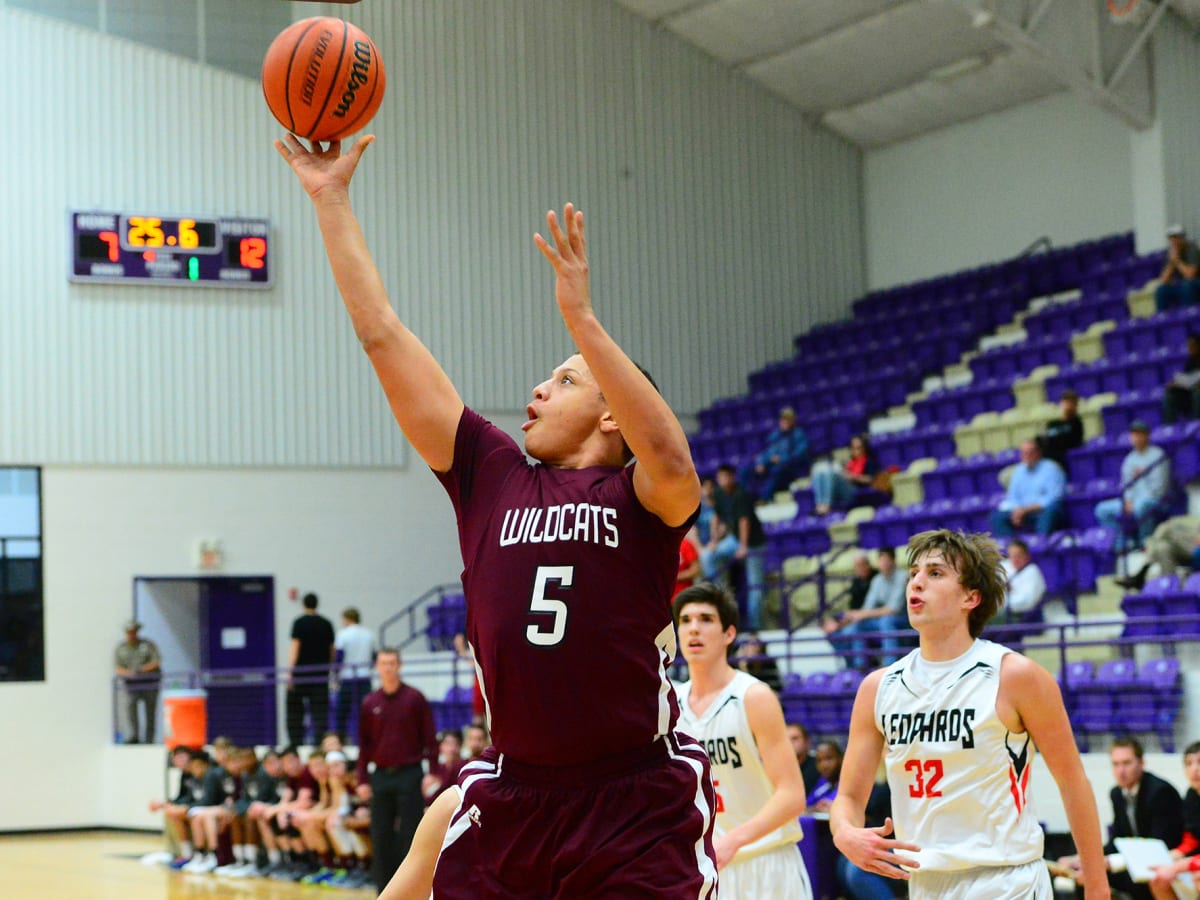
(312, 654)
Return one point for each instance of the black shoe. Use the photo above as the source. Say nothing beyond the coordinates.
(1134, 582)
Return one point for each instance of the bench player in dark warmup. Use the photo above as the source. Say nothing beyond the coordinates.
(569, 568)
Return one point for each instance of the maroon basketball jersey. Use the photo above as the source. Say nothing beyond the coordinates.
(568, 581)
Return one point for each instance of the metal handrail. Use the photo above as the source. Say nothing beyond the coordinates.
(410, 612)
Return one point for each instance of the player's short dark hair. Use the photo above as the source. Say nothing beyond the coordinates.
(1128, 741)
(455, 733)
(350, 614)
(388, 651)
(478, 725)
(310, 600)
(712, 594)
(1068, 394)
(887, 551)
(976, 558)
(289, 750)
(803, 729)
(727, 467)
(1193, 747)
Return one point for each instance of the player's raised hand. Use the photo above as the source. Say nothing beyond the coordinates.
(872, 851)
(322, 169)
(568, 256)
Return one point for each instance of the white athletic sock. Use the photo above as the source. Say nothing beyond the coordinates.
(249, 852)
(274, 856)
(186, 850)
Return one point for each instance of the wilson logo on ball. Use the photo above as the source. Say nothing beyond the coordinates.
(360, 76)
(323, 78)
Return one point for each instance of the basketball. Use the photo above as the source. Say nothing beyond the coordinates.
(323, 78)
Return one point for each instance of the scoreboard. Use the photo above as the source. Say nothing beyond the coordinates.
(179, 251)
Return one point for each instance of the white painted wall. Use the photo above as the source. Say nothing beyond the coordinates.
(374, 538)
(984, 190)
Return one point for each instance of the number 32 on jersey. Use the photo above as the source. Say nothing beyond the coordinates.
(925, 776)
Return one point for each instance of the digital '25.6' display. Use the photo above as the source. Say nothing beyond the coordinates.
(152, 249)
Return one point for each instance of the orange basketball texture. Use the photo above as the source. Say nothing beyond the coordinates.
(323, 78)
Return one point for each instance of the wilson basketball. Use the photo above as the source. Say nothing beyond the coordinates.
(323, 78)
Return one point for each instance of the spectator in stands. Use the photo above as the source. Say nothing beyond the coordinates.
(885, 609)
(442, 775)
(175, 810)
(396, 734)
(357, 647)
(208, 793)
(260, 791)
(799, 738)
(1026, 584)
(834, 488)
(311, 647)
(1035, 496)
(1064, 433)
(1145, 482)
(751, 657)
(708, 511)
(742, 539)
(1144, 805)
(782, 460)
(1175, 543)
(829, 767)
(1187, 854)
(475, 741)
(689, 562)
(348, 849)
(1181, 399)
(860, 581)
(140, 671)
(1180, 286)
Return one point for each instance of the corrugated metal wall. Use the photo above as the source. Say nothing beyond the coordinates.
(720, 225)
(1177, 102)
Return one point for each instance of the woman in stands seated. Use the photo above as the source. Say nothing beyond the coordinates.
(829, 764)
(834, 488)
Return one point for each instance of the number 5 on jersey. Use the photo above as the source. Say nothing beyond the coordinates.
(536, 633)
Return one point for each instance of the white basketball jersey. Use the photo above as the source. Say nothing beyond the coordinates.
(741, 782)
(958, 778)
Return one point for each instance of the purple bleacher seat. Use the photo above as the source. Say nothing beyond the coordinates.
(1096, 708)
(1081, 502)
(1142, 607)
(1077, 672)
(1158, 686)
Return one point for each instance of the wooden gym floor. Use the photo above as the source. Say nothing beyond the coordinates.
(103, 865)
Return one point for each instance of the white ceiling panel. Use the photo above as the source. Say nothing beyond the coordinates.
(740, 31)
(881, 71)
(898, 47)
(925, 106)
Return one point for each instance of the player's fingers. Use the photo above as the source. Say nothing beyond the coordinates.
(884, 829)
(360, 147)
(283, 151)
(556, 232)
(574, 220)
(547, 251)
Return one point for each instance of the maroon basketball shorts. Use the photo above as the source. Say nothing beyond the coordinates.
(636, 826)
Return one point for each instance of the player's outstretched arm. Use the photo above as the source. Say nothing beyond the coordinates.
(1037, 701)
(770, 736)
(665, 478)
(423, 400)
(868, 848)
(414, 879)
